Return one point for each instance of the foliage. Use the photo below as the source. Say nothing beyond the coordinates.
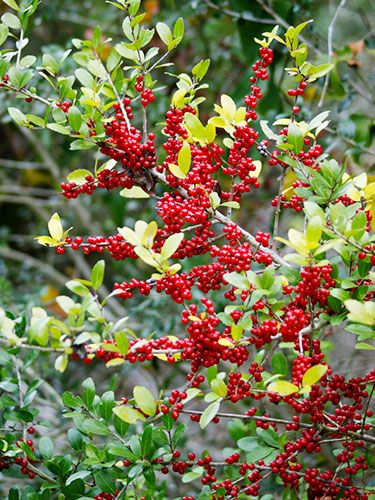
(253, 315)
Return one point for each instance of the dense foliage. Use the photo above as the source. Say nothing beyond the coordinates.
(248, 363)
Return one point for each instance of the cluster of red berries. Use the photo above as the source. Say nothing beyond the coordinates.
(260, 73)
(106, 179)
(64, 106)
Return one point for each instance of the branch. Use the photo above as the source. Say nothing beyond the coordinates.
(239, 15)
(330, 49)
(250, 238)
(250, 417)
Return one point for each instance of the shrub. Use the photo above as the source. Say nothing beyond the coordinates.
(256, 308)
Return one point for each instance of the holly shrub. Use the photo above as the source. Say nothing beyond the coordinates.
(259, 312)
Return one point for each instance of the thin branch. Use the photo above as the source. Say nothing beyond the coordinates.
(250, 417)
(277, 211)
(26, 92)
(330, 48)
(19, 48)
(250, 238)
(34, 347)
(239, 15)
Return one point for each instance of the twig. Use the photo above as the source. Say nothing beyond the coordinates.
(250, 417)
(330, 49)
(277, 211)
(239, 15)
(250, 238)
(19, 48)
(35, 347)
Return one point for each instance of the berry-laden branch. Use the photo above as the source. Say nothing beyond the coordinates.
(253, 318)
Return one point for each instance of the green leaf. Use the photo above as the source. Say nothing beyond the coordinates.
(339, 294)
(92, 426)
(176, 171)
(313, 375)
(17, 116)
(106, 480)
(78, 288)
(97, 69)
(4, 32)
(88, 394)
(237, 280)
(236, 332)
(295, 137)
(60, 129)
(219, 387)
(61, 362)
(279, 363)
(122, 342)
(85, 78)
(127, 414)
(171, 245)
(146, 441)
(269, 436)
(179, 28)
(11, 21)
(164, 33)
(359, 312)
(200, 69)
(283, 388)
(36, 120)
(365, 346)
(4, 65)
(24, 447)
(134, 192)
(122, 451)
(12, 4)
(315, 72)
(82, 474)
(145, 400)
(19, 78)
(80, 144)
(194, 474)
(46, 447)
(79, 176)
(268, 278)
(184, 158)
(209, 413)
(314, 229)
(107, 405)
(97, 274)
(75, 118)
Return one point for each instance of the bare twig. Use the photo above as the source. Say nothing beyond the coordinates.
(239, 15)
(330, 48)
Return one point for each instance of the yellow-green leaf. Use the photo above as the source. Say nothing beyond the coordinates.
(359, 312)
(219, 387)
(314, 374)
(145, 400)
(283, 388)
(55, 228)
(176, 171)
(61, 363)
(236, 332)
(127, 414)
(134, 192)
(149, 234)
(171, 244)
(184, 158)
